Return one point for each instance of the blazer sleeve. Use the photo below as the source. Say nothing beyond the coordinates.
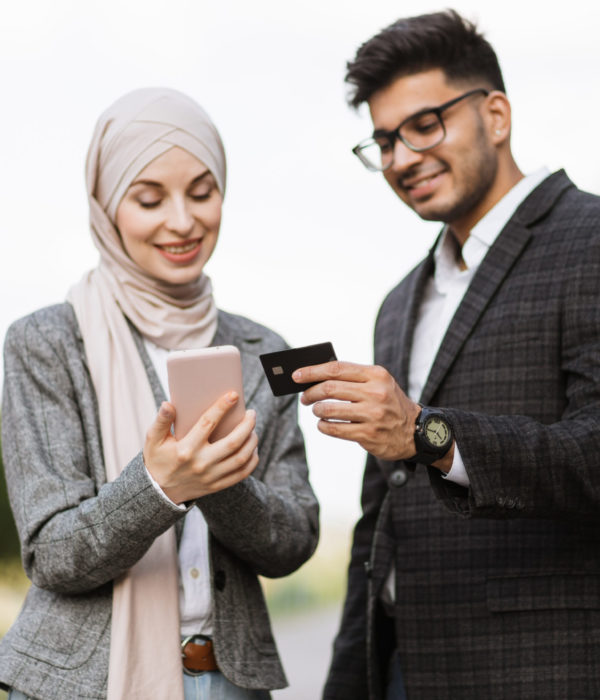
(520, 467)
(76, 531)
(271, 519)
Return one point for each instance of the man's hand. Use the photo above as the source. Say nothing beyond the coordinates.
(192, 467)
(372, 408)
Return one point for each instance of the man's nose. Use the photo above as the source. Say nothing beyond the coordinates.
(404, 157)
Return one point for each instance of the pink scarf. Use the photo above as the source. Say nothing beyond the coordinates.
(145, 660)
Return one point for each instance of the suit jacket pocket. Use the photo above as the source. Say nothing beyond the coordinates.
(62, 630)
(544, 592)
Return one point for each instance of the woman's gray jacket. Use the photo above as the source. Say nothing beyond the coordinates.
(78, 532)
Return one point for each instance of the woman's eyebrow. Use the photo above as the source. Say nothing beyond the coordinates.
(201, 176)
(153, 183)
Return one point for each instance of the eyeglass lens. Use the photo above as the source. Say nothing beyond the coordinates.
(420, 132)
(423, 131)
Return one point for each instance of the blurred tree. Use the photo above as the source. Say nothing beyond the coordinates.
(9, 541)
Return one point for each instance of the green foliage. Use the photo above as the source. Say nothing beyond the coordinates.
(9, 541)
(320, 583)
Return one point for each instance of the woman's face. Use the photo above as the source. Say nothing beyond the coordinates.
(169, 217)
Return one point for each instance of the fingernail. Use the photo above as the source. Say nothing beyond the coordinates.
(164, 411)
(297, 375)
(232, 397)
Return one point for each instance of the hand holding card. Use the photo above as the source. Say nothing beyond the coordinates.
(278, 366)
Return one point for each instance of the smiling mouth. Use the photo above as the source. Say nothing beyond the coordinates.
(174, 249)
(416, 183)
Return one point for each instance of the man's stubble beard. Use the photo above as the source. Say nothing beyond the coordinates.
(477, 180)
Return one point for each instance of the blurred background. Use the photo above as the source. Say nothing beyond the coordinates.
(310, 241)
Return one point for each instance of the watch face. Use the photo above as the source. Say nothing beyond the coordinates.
(436, 431)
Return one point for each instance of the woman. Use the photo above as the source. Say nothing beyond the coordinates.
(143, 551)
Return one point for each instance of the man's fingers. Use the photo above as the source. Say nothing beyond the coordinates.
(332, 389)
(344, 371)
(340, 410)
(355, 383)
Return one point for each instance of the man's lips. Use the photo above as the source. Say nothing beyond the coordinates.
(421, 185)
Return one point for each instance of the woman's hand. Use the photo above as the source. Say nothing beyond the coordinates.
(192, 467)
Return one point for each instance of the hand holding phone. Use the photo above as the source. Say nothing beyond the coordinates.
(197, 378)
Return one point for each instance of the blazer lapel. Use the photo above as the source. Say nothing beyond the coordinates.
(407, 314)
(227, 334)
(491, 274)
(488, 278)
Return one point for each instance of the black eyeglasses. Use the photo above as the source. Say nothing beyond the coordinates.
(419, 132)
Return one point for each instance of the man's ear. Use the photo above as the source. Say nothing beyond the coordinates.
(497, 116)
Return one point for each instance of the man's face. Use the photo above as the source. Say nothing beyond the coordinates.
(452, 182)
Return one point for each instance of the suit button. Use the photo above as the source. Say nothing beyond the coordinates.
(219, 580)
(398, 477)
(510, 503)
(501, 501)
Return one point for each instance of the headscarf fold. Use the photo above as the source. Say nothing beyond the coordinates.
(145, 658)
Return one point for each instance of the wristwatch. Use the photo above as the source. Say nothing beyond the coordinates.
(433, 436)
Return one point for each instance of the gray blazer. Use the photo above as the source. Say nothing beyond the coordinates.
(78, 532)
(498, 585)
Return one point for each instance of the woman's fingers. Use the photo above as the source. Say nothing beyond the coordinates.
(193, 467)
(161, 427)
(209, 420)
(200, 433)
(230, 478)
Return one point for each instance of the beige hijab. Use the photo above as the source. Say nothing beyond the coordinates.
(145, 659)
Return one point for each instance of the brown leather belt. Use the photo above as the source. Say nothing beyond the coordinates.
(198, 657)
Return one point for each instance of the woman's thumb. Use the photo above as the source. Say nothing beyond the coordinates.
(161, 427)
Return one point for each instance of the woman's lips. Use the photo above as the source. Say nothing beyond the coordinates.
(180, 252)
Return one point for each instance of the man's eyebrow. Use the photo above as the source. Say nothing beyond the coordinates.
(419, 113)
(382, 132)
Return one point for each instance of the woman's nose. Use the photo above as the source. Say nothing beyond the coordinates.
(179, 218)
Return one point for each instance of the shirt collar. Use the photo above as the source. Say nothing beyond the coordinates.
(487, 229)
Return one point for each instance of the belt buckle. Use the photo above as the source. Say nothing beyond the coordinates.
(187, 671)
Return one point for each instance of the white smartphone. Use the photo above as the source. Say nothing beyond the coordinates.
(197, 378)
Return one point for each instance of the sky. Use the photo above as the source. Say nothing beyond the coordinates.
(310, 241)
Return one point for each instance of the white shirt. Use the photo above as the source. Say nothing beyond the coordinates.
(442, 296)
(445, 290)
(195, 601)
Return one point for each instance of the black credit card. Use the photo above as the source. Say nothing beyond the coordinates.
(278, 366)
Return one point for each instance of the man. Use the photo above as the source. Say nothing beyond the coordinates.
(475, 569)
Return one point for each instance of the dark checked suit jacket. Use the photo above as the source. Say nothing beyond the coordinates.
(498, 585)
(78, 532)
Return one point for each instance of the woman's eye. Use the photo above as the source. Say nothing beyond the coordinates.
(149, 204)
(200, 195)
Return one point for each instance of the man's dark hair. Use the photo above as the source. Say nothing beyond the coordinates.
(439, 40)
